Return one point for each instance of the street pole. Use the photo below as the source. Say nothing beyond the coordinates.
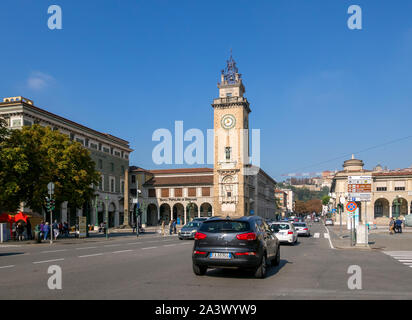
(107, 217)
(51, 219)
(366, 226)
(50, 186)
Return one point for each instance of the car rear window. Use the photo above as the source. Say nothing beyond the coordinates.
(277, 227)
(224, 226)
(300, 224)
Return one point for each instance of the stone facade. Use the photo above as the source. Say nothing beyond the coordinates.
(391, 194)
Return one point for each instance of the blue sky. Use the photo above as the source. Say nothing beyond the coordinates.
(318, 91)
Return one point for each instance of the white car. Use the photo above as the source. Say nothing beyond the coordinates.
(302, 229)
(328, 222)
(285, 232)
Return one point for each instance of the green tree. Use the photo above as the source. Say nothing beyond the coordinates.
(34, 156)
(325, 200)
(3, 130)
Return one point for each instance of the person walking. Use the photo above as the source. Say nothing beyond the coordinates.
(55, 228)
(66, 229)
(398, 225)
(174, 226)
(46, 229)
(41, 229)
(170, 227)
(391, 226)
(163, 228)
(14, 231)
(20, 230)
(29, 233)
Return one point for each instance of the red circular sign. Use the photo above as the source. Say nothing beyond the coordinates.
(351, 206)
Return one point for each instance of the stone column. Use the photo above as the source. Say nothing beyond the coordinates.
(390, 210)
(79, 212)
(126, 198)
(185, 215)
(63, 209)
(198, 211)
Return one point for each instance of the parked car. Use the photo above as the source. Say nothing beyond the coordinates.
(328, 222)
(245, 242)
(285, 232)
(316, 219)
(200, 219)
(189, 230)
(302, 229)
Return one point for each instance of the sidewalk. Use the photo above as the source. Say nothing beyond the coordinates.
(379, 239)
(94, 236)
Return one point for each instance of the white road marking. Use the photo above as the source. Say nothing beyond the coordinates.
(51, 251)
(9, 246)
(91, 255)
(149, 248)
(409, 260)
(45, 261)
(404, 257)
(326, 235)
(316, 235)
(121, 251)
(4, 267)
(86, 248)
(169, 245)
(111, 245)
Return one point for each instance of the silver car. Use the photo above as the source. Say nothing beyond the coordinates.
(302, 229)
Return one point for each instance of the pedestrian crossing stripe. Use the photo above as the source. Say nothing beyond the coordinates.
(404, 257)
(326, 235)
(316, 235)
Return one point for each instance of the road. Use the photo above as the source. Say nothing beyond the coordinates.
(156, 267)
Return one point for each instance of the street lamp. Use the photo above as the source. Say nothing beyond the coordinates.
(191, 206)
(107, 216)
(95, 203)
(397, 203)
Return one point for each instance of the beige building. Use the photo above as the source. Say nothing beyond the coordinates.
(110, 154)
(391, 194)
(180, 194)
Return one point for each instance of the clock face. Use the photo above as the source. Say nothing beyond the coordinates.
(228, 121)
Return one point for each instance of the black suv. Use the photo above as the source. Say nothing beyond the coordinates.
(245, 242)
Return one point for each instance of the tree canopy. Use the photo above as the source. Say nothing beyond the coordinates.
(34, 156)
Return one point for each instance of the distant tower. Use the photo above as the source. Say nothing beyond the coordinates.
(231, 125)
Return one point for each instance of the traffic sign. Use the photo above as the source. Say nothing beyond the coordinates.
(351, 206)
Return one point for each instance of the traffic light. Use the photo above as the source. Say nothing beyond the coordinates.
(47, 203)
(52, 204)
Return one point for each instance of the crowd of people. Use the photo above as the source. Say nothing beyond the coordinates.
(56, 230)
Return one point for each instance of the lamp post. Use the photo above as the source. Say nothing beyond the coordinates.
(50, 187)
(191, 206)
(107, 216)
(95, 203)
(397, 204)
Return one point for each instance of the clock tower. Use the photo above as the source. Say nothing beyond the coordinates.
(231, 145)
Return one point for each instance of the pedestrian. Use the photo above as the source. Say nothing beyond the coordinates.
(170, 227)
(61, 229)
(398, 225)
(174, 226)
(391, 226)
(20, 230)
(46, 229)
(66, 229)
(55, 228)
(163, 227)
(41, 229)
(29, 234)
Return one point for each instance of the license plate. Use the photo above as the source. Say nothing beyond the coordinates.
(219, 255)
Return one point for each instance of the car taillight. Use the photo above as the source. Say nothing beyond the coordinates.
(245, 253)
(306, 229)
(246, 236)
(290, 232)
(200, 252)
(200, 236)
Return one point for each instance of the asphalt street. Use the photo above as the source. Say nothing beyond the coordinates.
(156, 267)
